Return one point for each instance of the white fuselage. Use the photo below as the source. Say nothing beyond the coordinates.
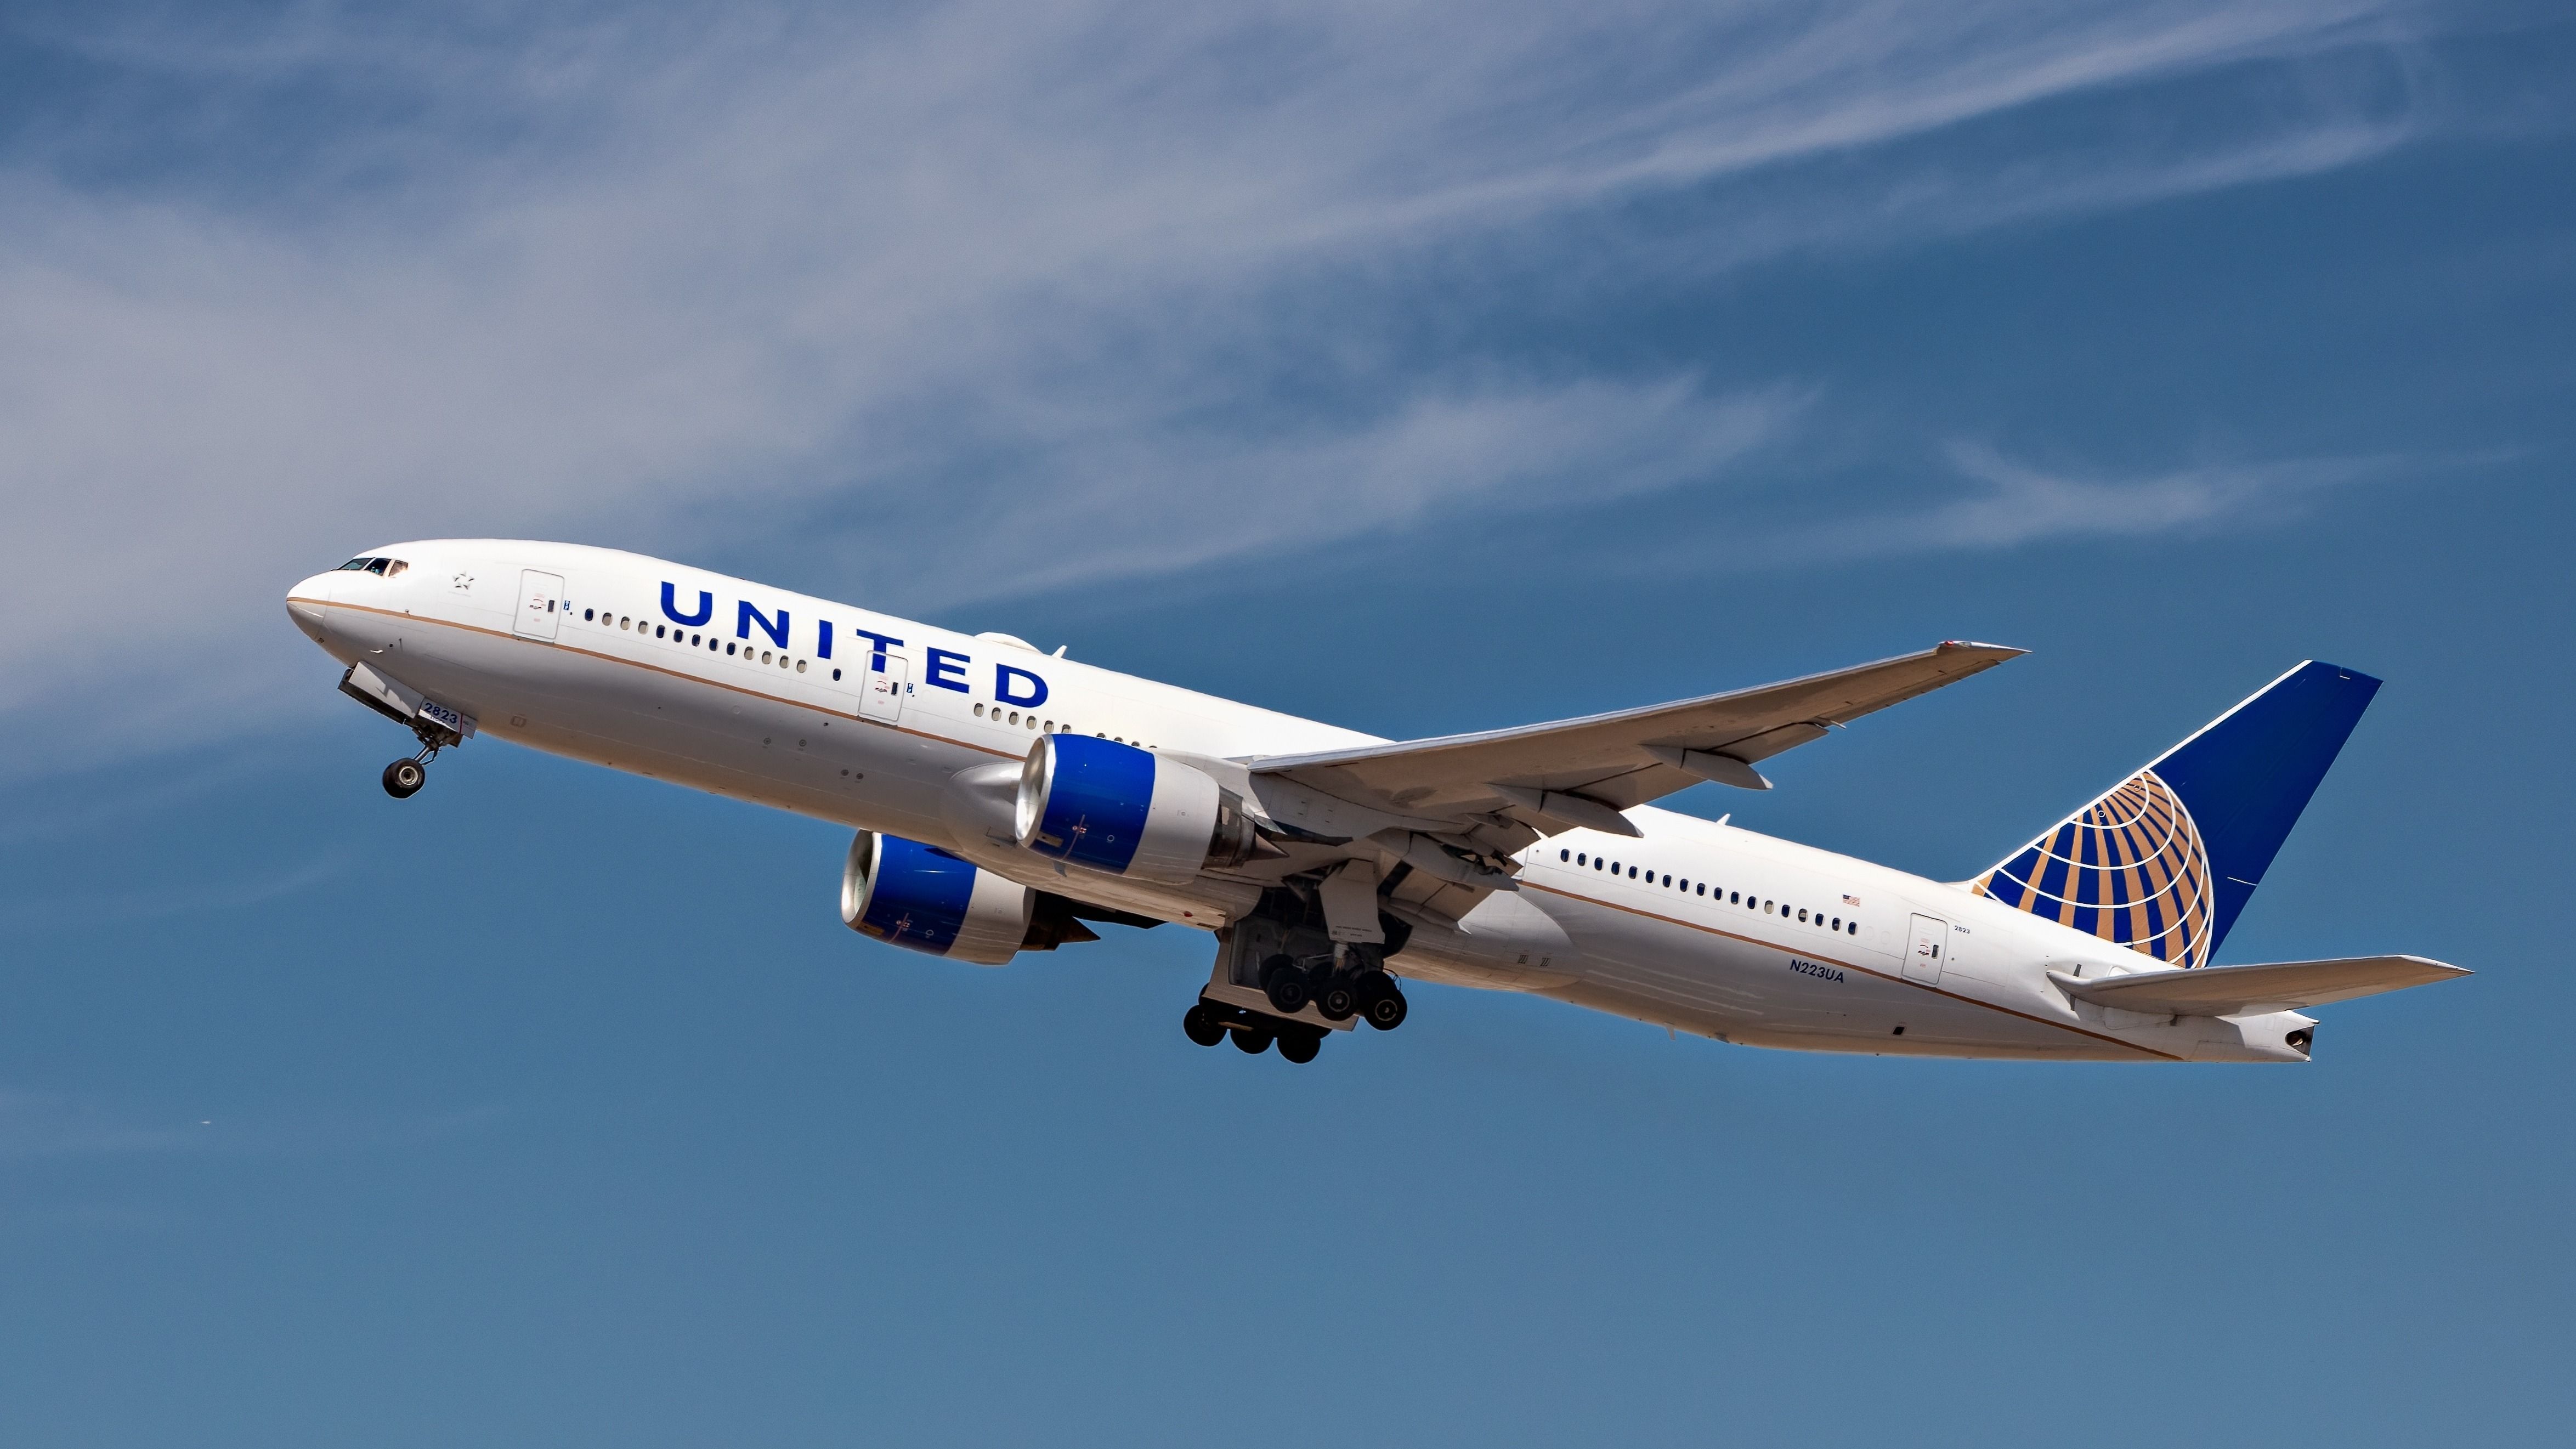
(1696, 925)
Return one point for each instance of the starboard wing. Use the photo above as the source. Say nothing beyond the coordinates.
(1584, 771)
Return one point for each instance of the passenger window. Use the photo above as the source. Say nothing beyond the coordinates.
(1802, 915)
(1853, 929)
(1703, 887)
(1596, 863)
(586, 615)
(657, 631)
(728, 651)
(800, 666)
(624, 622)
(836, 674)
(1565, 855)
(1668, 881)
(979, 711)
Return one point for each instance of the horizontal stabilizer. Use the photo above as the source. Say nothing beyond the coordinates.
(2235, 990)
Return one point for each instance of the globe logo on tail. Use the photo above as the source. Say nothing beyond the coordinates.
(2129, 868)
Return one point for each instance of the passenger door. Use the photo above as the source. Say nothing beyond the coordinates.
(881, 691)
(1923, 954)
(540, 605)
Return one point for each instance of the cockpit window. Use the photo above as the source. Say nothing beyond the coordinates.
(394, 566)
(376, 565)
(356, 566)
(386, 567)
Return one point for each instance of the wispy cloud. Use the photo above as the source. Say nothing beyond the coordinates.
(155, 899)
(2013, 503)
(38, 1123)
(707, 280)
(1991, 501)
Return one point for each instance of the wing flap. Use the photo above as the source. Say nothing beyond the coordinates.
(2276, 986)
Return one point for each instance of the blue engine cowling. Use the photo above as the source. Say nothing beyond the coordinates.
(1129, 812)
(921, 898)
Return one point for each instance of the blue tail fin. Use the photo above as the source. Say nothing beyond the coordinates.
(2163, 861)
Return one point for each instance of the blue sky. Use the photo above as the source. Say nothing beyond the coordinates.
(1412, 366)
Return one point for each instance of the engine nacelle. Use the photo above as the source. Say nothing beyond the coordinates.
(921, 898)
(1128, 812)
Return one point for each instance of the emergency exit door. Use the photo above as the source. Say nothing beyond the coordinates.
(1923, 954)
(540, 604)
(881, 690)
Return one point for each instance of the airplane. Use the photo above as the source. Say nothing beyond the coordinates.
(1007, 800)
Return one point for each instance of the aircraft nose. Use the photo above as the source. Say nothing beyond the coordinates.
(304, 605)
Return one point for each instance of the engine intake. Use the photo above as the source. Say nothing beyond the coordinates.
(1128, 812)
(921, 898)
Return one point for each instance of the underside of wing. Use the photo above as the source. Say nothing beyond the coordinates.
(1581, 772)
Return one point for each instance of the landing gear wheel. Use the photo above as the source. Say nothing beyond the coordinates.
(1251, 1043)
(1381, 1005)
(403, 778)
(1285, 984)
(1336, 997)
(1300, 1046)
(1202, 1026)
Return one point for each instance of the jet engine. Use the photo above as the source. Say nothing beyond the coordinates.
(921, 898)
(1129, 812)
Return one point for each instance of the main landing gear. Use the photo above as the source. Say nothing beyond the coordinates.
(1339, 989)
(1211, 1022)
(1336, 992)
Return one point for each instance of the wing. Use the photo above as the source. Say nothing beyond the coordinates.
(2279, 986)
(1582, 772)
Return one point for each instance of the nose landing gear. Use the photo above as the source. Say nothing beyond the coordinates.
(403, 778)
(435, 725)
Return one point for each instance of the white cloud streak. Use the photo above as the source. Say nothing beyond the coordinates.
(696, 281)
(38, 1123)
(2009, 504)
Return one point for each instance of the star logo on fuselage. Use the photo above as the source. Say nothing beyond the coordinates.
(464, 583)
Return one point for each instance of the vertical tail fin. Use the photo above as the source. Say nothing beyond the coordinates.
(2164, 861)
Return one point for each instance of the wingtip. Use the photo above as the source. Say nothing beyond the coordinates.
(2000, 651)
